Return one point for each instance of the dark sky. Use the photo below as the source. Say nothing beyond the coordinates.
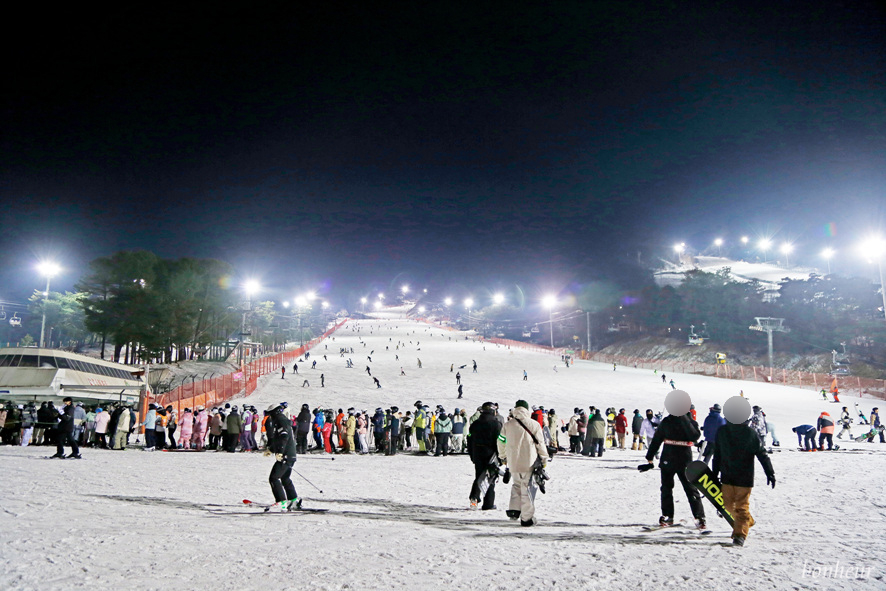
(348, 144)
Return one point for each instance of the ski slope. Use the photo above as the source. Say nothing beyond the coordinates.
(137, 520)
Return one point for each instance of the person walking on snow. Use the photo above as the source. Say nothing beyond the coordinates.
(458, 377)
(846, 423)
(735, 448)
(525, 376)
(483, 450)
(521, 448)
(712, 424)
(283, 372)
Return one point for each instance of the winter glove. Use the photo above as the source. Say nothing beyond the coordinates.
(279, 457)
(770, 480)
(507, 477)
(645, 467)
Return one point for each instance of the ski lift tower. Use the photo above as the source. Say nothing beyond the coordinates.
(769, 326)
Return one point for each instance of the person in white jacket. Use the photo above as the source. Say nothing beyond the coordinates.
(102, 418)
(521, 447)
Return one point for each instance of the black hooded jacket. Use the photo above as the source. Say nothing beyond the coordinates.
(676, 428)
(483, 437)
(734, 451)
(303, 421)
(279, 432)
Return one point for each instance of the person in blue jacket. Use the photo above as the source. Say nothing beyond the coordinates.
(809, 432)
(319, 421)
(712, 424)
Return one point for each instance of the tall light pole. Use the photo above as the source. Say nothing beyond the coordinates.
(786, 249)
(250, 287)
(679, 248)
(363, 305)
(549, 302)
(765, 244)
(876, 247)
(49, 270)
(827, 254)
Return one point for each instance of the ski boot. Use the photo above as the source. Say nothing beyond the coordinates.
(292, 505)
(738, 541)
(701, 523)
(529, 523)
(665, 521)
(513, 514)
(59, 456)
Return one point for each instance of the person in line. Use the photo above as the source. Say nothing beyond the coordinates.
(66, 432)
(483, 451)
(442, 431)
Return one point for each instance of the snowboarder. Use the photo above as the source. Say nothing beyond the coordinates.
(283, 372)
(734, 451)
(281, 443)
(525, 376)
(825, 431)
(846, 423)
(322, 380)
(458, 377)
(806, 437)
(521, 448)
(673, 387)
(460, 392)
(483, 450)
(475, 365)
(368, 371)
(875, 423)
(377, 383)
(678, 433)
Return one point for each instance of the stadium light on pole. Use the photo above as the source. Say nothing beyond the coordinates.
(362, 305)
(875, 247)
(250, 287)
(786, 249)
(49, 270)
(549, 302)
(765, 245)
(827, 254)
(718, 243)
(405, 289)
(448, 301)
(498, 299)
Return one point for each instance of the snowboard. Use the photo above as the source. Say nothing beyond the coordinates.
(703, 479)
(488, 478)
(651, 528)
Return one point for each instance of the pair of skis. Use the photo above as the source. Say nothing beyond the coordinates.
(267, 507)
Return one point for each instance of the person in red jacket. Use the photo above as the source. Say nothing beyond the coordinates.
(538, 415)
(825, 430)
(621, 427)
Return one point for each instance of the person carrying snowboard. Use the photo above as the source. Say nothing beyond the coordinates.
(845, 423)
(735, 448)
(281, 442)
(521, 447)
(677, 434)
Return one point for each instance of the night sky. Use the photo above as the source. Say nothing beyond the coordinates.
(345, 146)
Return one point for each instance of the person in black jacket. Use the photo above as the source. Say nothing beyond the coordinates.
(281, 442)
(303, 427)
(483, 450)
(734, 450)
(678, 434)
(66, 432)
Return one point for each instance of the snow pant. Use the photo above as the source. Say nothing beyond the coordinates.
(160, 439)
(379, 441)
(244, 441)
(442, 444)
(770, 428)
(420, 439)
(184, 440)
(736, 500)
(587, 444)
(621, 440)
(667, 491)
(102, 440)
(65, 438)
(361, 440)
(281, 483)
(809, 440)
(301, 442)
(521, 499)
(489, 498)
(318, 439)
(596, 447)
(845, 429)
(26, 435)
(829, 437)
(38, 435)
(575, 444)
(119, 440)
(638, 442)
(456, 443)
(708, 452)
(170, 432)
(149, 438)
(349, 448)
(213, 441)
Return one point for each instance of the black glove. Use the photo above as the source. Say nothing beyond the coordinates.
(770, 480)
(645, 467)
(507, 477)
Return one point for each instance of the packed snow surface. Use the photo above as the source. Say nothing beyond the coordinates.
(137, 520)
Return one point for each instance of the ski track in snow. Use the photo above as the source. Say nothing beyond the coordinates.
(138, 520)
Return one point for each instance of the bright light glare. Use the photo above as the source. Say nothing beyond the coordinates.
(300, 301)
(874, 246)
(498, 298)
(381, 296)
(251, 287)
(448, 301)
(377, 305)
(469, 303)
(787, 248)
(325, 305)
(362, 300)
(549, 301)
(405, 289)
(718, 242)
(745, 239)
(765, 244)
(421, 309)
(828, 253)
(285, 304)
(680, 247)
(48, 269)
(311, 295)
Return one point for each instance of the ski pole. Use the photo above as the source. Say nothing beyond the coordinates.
(308, 481)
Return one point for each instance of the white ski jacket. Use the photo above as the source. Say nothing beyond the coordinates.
(515, 445)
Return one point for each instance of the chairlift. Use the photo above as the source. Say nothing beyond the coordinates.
(526, 334)
(15, 320)
(534, 329)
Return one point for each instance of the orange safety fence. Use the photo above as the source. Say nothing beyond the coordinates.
(217, 389)
(847, 384)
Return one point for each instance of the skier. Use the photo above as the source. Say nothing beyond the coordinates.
(525, 376)
(302, 428)
(673, 387)
(314, 364)
(521, 448)
(678, 433)
(306, 384)
(377, 383)
(295, 367)
(806, 437)
(283, 372)
(734, 451)
(66, 432)
(419, 426)
(621, 427)
(402, 373)
(458, 377)
(483, 450)
(322, 380)
(460, 391)
(846, 422)
(442, 432)
(475, 365)
(664, 378)
(281, 443)
(825, 431)
(712, 424)
(572, 431)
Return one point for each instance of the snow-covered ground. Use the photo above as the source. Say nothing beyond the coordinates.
(136, 520)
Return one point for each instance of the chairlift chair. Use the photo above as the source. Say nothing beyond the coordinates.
(15, 320)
